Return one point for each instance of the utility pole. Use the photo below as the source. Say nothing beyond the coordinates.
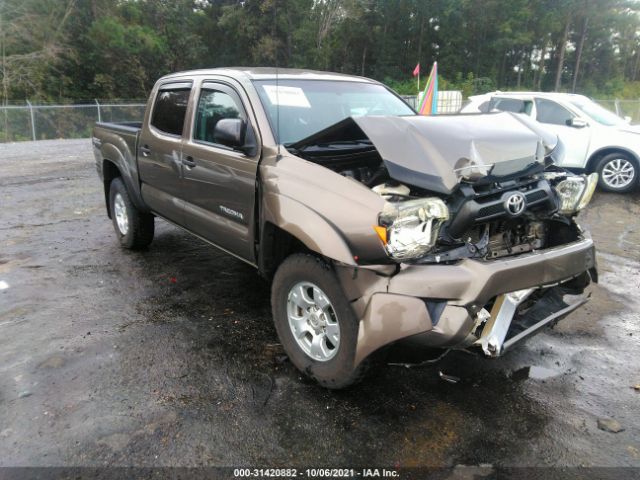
(4, 76)
(563, 48)
(576, 70)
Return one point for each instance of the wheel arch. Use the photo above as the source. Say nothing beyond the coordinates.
(599, 154)
(276, 244)
(109, 171)
(291, 227)
(115, 165)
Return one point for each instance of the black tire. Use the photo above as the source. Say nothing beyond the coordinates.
(339, 371)
(139, 233)
(608, 160)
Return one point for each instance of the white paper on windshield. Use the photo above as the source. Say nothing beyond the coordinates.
(286, 96)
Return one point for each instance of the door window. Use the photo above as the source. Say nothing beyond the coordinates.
(213, 106)
(548, 111)
(515, 105)
(170, 109)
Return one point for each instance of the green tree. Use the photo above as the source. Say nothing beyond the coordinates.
(81, 49)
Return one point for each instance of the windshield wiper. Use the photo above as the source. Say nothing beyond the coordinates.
(335, 144)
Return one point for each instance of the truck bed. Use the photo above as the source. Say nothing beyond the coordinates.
(128, 127)
(122, 137)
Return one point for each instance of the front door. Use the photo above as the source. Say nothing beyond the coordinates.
(559, 120)
(219, 181)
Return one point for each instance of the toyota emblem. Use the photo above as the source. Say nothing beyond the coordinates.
(515, 203)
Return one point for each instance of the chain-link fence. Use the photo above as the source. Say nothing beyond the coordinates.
(448, 101)
(451, 103)
(629, 109)
(623, 108)
(19, 122)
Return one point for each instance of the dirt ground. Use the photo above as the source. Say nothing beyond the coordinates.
(168, 357)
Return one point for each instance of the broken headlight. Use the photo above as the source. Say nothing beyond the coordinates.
(575, 192)
(410, 229)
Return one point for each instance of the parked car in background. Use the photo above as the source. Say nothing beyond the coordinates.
(596, 139)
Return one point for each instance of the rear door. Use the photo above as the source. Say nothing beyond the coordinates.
(219, 181)
(160, 151)
(511, 104)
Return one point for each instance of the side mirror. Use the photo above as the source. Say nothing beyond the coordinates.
(627, 119)
(230, 132)
(577, 123)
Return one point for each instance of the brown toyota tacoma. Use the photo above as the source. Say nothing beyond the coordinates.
(374, 225)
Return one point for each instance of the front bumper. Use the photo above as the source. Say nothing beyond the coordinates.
(505, 326)
(443, 305)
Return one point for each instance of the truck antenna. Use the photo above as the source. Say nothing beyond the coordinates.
(275, 30)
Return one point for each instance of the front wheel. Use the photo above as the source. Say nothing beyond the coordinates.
(134, 228)
(316, 325)
(617, 172)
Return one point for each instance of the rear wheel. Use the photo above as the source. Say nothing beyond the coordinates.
(315, 323)
(134, 228)
(617, 173)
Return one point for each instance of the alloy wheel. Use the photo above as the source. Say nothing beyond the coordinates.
(313, 321)
(120, 211)
(618, 173)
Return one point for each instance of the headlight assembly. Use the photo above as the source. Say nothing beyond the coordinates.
(410, 229)
(575, 193)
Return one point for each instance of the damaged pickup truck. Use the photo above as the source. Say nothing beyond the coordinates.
(375, 225)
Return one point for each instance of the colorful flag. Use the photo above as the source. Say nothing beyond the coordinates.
(416, 71)
(429, 101)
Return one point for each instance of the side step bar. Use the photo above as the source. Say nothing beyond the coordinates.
(503, 313)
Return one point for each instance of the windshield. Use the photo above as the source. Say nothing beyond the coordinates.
(308, 106)
(598, 113)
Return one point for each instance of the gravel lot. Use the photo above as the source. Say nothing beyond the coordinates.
(168, 357)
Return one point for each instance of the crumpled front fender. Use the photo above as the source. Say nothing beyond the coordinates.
(314, 231)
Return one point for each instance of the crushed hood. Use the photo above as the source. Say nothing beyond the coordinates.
(436, 153)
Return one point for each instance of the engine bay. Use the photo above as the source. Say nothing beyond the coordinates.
(488, 217)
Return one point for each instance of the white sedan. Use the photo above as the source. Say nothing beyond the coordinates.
(595, 139)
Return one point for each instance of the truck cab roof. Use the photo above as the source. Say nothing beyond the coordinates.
(269, 73)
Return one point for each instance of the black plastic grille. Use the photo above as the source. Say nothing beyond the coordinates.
(489, 205)
(494, 209)
(535, 196)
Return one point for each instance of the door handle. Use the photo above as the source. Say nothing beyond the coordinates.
(146, 150)
(188, 161)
